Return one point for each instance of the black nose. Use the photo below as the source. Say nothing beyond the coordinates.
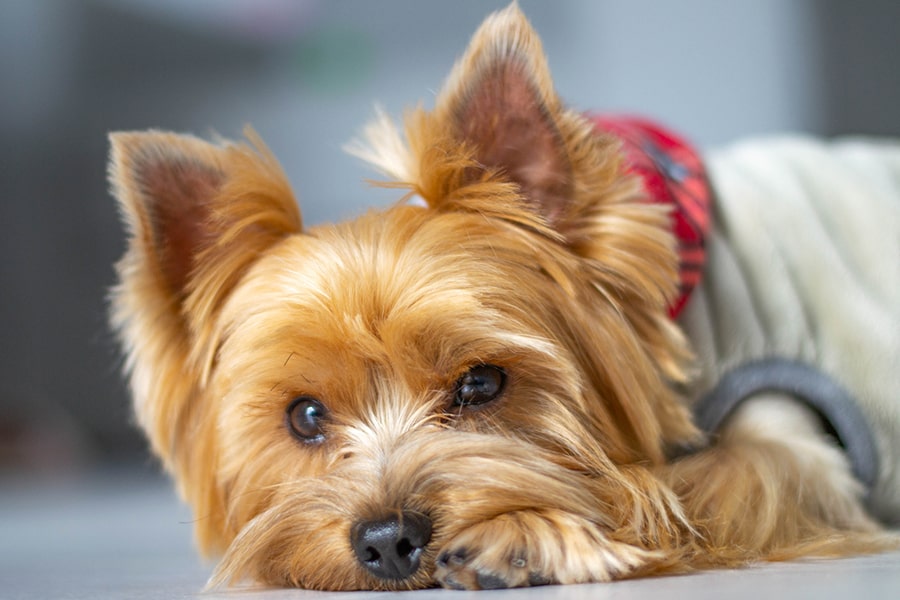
(391, 548)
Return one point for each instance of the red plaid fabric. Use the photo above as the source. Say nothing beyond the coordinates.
(673, 174)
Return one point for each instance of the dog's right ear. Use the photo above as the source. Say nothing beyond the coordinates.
(198, 214)
(189, 203)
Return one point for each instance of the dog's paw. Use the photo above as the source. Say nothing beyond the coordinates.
(529, 548)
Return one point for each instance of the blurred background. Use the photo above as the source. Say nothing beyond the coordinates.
(306, 74)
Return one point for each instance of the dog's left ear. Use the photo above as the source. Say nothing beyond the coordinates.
(499, 99)
(499, 121)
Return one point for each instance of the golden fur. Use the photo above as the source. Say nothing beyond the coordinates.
(535, 253)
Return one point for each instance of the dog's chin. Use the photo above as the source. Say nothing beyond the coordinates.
(469, 486)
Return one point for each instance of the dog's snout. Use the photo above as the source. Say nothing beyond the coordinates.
(391, 548)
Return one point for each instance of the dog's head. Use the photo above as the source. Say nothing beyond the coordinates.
(338, 402)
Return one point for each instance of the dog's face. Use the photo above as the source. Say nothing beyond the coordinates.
(375, 404)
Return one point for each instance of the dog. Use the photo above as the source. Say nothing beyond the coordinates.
(531, 376)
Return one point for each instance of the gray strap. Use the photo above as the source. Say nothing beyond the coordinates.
(807, 384)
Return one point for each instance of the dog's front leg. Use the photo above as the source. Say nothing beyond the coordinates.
(774, 485)
(535, 547)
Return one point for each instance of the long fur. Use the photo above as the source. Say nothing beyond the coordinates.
(559, 272)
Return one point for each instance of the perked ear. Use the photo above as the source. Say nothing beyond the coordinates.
(198, 214)
(500, 142)
(166, 184)
(184, 198)
(499, 99)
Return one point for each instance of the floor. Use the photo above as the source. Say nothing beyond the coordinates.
(122, 536)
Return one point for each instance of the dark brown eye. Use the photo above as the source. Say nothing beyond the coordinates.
(304, 417)
(480, 384)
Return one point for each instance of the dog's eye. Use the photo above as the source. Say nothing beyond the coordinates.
(304, 417)
(480, 384)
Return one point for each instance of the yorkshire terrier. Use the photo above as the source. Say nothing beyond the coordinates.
(587, 355)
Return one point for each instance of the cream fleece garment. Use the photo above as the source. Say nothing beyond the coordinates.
(804, 265)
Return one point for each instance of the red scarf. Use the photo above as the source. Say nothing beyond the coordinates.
(673, 174)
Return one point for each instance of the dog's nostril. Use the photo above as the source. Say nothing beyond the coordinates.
(371, 555)
(405, 547)
(391, 548)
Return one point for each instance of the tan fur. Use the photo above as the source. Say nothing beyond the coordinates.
(548, 264)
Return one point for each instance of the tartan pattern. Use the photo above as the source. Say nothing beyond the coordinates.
(673, 174)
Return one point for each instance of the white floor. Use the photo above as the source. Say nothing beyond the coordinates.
(122, 537)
